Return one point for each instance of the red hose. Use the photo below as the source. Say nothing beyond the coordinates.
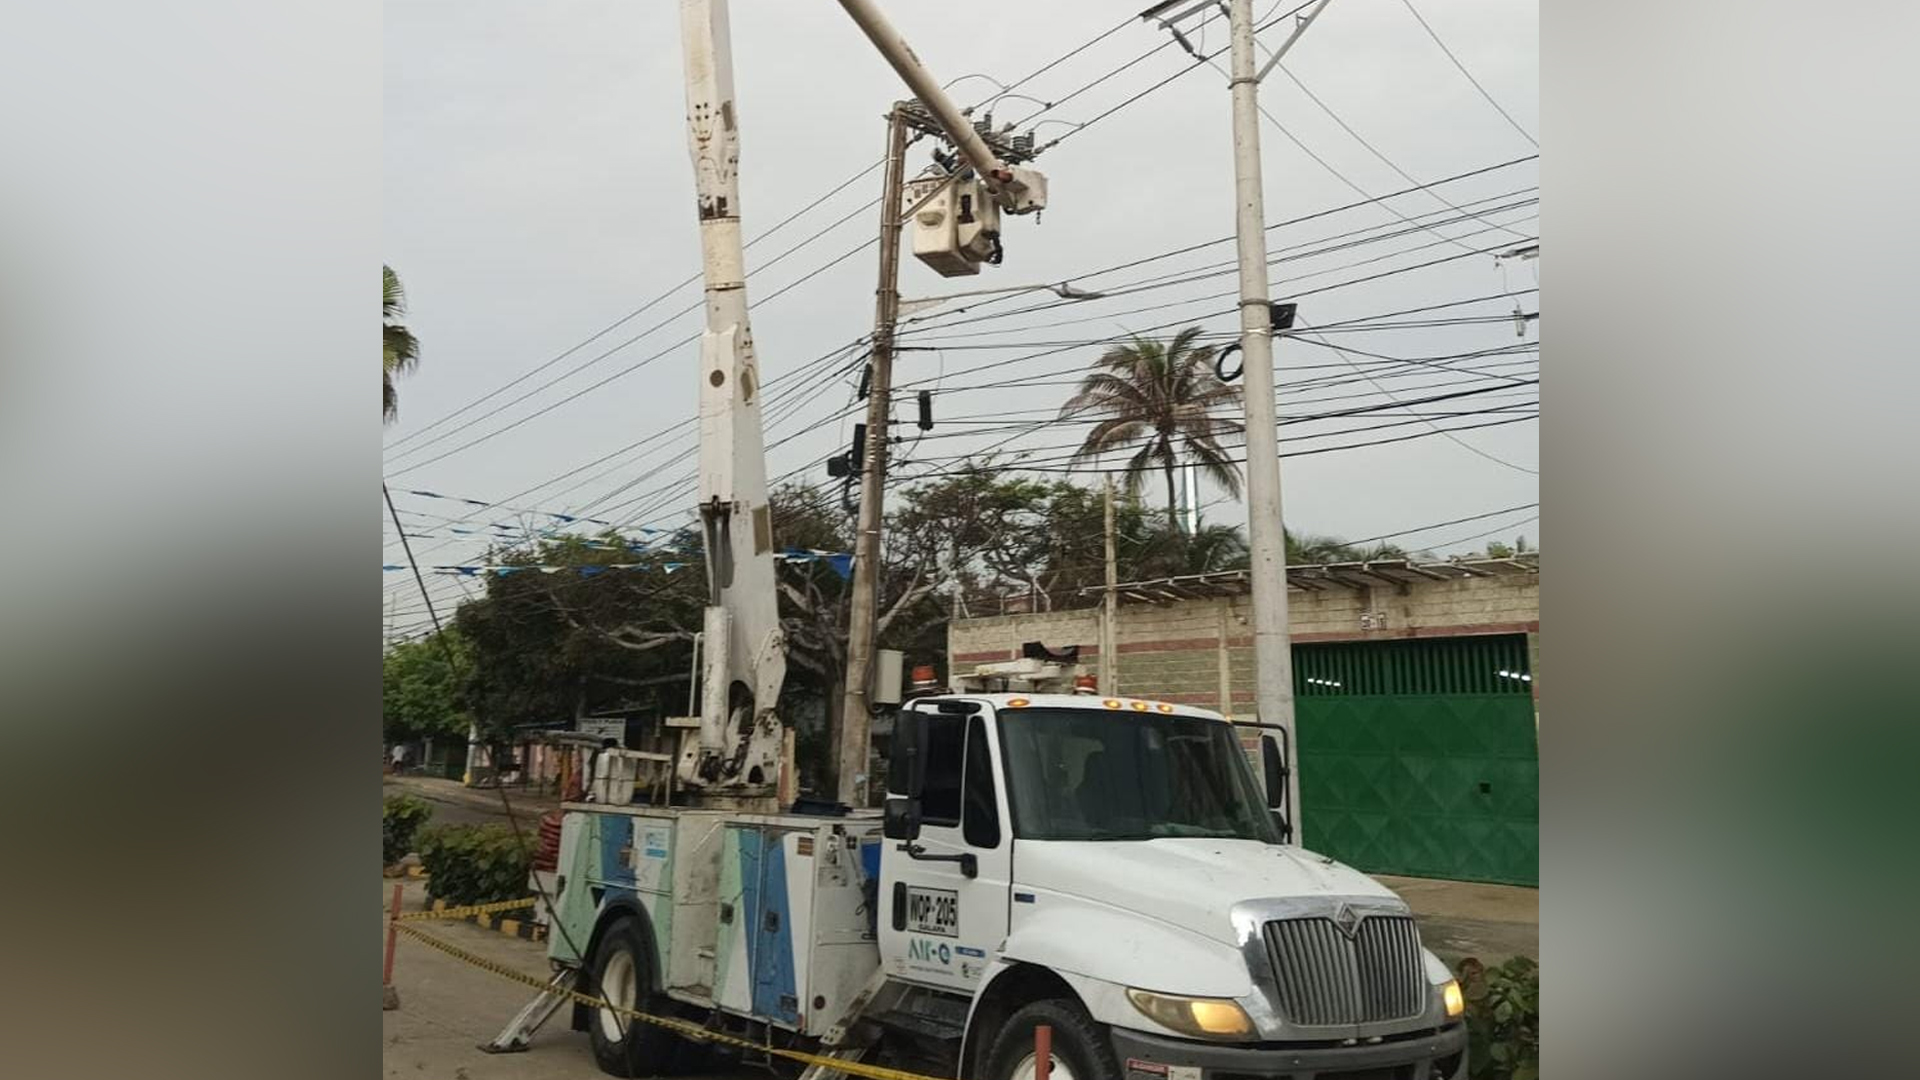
(547, 856)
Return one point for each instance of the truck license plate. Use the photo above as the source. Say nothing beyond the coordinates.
(933, 911)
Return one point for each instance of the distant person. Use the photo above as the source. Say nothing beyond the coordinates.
(399, 758)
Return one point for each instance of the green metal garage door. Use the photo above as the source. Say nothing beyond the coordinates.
(1420, 757)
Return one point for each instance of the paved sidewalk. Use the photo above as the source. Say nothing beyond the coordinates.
(449, 1007)
(459, 805)
(1459, 919)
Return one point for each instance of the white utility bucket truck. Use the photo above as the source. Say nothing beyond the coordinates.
(1111, 868)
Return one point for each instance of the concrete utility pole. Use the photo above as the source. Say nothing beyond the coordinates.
(1272, 659)
(1110, 624)
(856, 710)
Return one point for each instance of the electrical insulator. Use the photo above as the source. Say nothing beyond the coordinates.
(1023, 144)
(926, 410)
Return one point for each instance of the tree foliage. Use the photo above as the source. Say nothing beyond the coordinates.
(475, 864)
(547, 647)
(1308, 549)
(420, 696)
(1503, 1018)
(400, 818)
(1498, 550)
(999, 533)
(1165, 399)
(399, 349)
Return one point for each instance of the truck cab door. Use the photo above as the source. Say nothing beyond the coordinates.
(944, 915)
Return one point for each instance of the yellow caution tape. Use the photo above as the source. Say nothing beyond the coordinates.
(470, 909)
(683, 1027)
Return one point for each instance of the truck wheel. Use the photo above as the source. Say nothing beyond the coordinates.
(1080, 1047)
(621, 971)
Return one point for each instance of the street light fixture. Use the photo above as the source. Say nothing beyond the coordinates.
(1063, 289)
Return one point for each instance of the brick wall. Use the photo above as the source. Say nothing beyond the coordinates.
(1172, 651)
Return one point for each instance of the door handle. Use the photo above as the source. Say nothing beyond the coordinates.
(969, 863)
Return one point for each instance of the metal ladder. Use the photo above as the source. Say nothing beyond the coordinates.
(520, 1030)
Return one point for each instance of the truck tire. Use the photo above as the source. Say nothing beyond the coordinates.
(621, 971)
(1081, 1050)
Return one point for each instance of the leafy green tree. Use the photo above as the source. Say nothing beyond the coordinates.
(399, 349)
(1165, 398)
(549, 646)
(1308, 549)
(1211, 548)
(552, 646)
(1498, 550)
(997, 533)
(419, 693)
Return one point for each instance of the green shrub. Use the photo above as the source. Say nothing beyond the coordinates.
(400, 818)
(475, 864)
(1503, 1018)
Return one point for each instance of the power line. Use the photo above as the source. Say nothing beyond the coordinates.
(1444, 524)
(1455, 439)
(630, 369)
(1476, 536)
(1189, 248)
(1222, 270)
(660, 495)
(1415, 12)
(1061, 465)
(775, 229)
(1213, 314)
(1357, 137)
(1124, 265)
(629, 316)
(1325, 164)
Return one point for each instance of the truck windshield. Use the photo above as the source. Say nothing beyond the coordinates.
(1095, 774)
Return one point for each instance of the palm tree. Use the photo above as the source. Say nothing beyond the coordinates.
(1310, 549)
(400, 350)
(1210, 549)
(1164, 396)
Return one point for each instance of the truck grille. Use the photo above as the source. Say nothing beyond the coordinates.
(1326, 977)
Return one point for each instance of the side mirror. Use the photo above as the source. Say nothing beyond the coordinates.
(1275, 768)
(902, 820)
(1274, 765)
(907, 761)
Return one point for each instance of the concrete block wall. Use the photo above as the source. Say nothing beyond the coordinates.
(1174, 651)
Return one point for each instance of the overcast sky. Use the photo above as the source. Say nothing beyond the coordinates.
(538, 189)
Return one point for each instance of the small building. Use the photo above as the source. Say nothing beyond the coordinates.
(1416, 697)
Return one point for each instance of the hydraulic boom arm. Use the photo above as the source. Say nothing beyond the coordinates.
(738, 750)
(1006, 182)
(745, 651)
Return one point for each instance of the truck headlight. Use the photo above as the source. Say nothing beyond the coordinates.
(1204, 1018)
(1456, 1002)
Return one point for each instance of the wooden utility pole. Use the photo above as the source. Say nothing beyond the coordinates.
(1110, 622)
(856, 711)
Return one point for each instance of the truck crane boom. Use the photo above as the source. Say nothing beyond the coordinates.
(744, 662)
(744, 650)
(1009, 184)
